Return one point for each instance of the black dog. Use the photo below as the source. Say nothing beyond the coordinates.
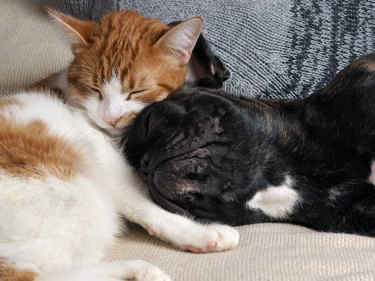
(239, 161)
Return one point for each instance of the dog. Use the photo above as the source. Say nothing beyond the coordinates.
(215, 157)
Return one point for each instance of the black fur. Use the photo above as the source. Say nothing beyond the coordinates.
(205, 153)
(210, 70)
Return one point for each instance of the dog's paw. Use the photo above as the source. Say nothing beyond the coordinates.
(213, 238)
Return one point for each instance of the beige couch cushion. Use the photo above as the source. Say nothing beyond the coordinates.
(31, 48)
(265, 252)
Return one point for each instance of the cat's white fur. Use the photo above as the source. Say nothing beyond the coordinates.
(60, 229)
(112, 107)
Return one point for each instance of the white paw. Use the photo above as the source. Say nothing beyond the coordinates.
(213, 238)
(187, 234)
(134, 270)
(145, 271)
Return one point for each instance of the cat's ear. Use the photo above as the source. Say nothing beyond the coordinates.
(76, 30)
(181, 39)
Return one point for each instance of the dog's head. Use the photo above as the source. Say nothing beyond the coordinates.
(201, 153)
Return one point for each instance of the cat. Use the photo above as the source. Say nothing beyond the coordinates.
(64, 183)
(237, 160)
(125, 75)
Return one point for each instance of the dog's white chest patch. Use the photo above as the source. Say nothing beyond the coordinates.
(371, 177)
(276, 201)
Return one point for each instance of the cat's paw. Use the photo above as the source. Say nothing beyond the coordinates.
(213, 238)
(144, 271)
(197, 238)
(134, 270)
(189, 235)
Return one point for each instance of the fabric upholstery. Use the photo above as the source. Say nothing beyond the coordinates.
(31, 48)
(31, 45)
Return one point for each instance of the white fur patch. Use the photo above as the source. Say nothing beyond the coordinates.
(114, 100)
(52, 223)
(334, 194)
(371, 177)
(133, 106)
(276, 201)
(114, 105)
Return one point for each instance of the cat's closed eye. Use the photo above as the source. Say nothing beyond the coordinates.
(95, 90)
(134, 93)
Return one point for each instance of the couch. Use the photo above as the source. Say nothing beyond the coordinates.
(31, 47)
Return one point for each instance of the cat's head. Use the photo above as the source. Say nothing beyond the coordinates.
(125, 62)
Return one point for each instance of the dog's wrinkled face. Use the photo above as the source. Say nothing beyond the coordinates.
(239, 161)
(193, 151)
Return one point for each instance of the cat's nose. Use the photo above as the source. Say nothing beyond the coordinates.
(113, 121)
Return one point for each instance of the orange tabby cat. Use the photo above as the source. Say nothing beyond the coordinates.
(63, 182)
(124, 63)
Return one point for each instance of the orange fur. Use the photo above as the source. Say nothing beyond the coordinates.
(28, 150)
(127, 118)
(142, 58)
(10, 273)
(8, 102)
(123, 42)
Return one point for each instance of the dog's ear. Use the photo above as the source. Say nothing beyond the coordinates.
(205, 69)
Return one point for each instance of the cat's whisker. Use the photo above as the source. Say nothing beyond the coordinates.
(84, 80)
(80, 82)
(84, 66)
(81, 72)
(87, 79)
